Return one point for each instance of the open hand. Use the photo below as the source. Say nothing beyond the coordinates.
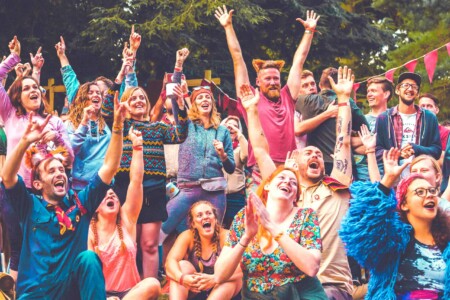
(35, 131)
(249, 99)
(368, 139)
(224, 17)
(343, 88)
(311, 20)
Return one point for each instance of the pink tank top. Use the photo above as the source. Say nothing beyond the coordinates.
(119, 267)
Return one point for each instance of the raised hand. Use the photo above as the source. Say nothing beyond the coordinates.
(262, 213)
(344, 86)
(182, 54)
(178, 91)
(22, 70)
(135, 136)
(291, 159)
(249, 99)
(224, 17)
(135, 40)
(35, 131)
(60, 47)
(368, 139)
(37, 60)
(251, 222)
(14, 46)
(120, 110)
(88, 113)
(311, 20)
(392, 170)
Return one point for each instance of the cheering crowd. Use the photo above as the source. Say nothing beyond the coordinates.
(318, 201)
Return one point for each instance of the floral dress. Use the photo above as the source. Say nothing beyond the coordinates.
(264, 272)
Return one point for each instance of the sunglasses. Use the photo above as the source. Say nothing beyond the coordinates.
(206, 87)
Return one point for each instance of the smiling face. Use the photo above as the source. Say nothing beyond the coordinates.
(203, 219)
(94, 97)
(283, 186)
(234, 123)
(139, 105)
(51, 180)
(109, 205)
(31, 95)
(269, 83)
(407, 91)
(203, 102)
(423, 207)
(376, 96)
(425, 168)
(311, 165)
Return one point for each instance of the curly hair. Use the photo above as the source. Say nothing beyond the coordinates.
(127, 95)
(15, 95)
(263, 194)
(197, 242)
(79, 103)
(94, 221)
(194, 114)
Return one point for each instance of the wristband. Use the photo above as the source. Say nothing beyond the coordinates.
(343, 104)
(120, 131)
(307, 31)
(370, 151)
(138, 147)
(178, 69)
(186, 95)
(243, 246)
(278, 236)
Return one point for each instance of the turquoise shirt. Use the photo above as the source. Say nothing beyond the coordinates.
(47, 256)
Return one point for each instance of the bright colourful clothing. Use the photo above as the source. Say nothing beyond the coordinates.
(119, 266)
(15, 125)
(277, 121)
(264, 272)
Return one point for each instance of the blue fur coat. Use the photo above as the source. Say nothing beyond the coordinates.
(376, 237)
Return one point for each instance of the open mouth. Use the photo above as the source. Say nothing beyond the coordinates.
(34, 96)
(207, 225)
(430, 205)
(110, 203)
(284, 189)
(60, 184)
(96, 100)
(205, 105)
(314, 165)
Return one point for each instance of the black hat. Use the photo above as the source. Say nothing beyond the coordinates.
(409, 75)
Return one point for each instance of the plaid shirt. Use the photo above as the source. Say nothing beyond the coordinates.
(398, 125)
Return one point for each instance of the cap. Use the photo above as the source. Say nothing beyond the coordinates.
(409, 75)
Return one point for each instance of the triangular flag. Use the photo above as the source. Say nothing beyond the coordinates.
(226, 101)
(448, 48)
(390, 74)
(355, 89)
(411, 65)
(430, 61)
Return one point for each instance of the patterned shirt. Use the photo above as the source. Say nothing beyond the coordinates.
(263, 272)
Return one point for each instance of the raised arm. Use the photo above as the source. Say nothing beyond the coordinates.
(6, 107)
(69, 76)
(369, 142)
(135, 194)
(38, 62)
(255, 131)
(342, 168)
(240, 69)
(34, 132)
(300, 55)
(114, 152)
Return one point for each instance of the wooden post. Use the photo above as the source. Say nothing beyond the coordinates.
(207, 76)
(51, 89)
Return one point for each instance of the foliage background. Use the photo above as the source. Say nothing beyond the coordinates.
(369, 36)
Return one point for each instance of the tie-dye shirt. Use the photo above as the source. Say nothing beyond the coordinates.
(422, 269)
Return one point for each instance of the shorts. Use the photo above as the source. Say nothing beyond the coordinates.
(154, 205)
(119, 295)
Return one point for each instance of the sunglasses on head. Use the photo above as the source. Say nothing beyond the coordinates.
(206, 87)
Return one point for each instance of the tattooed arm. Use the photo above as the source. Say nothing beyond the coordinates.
(342, 169)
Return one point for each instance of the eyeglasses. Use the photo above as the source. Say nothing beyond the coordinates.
(206, 87)
(406, 86)
(423, 192)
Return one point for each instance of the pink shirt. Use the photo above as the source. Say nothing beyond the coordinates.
(119, 267)
(277, 121)
(15, 125)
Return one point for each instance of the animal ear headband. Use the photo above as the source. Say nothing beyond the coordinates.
(260, 64)
(36, 154)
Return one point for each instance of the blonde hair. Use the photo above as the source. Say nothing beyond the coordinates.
(434, 162)
(127, 95)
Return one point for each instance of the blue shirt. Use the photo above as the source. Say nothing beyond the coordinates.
(47, 256)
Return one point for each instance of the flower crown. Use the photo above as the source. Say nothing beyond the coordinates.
(39, 152)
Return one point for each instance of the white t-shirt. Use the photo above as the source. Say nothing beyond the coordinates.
(408, 136)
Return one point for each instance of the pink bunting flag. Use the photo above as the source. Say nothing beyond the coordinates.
(411, 65)
(390, 74)
(355, 88)
(448, 48)
(430, 61)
